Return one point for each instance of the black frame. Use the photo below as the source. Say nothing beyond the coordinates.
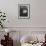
(22, 7)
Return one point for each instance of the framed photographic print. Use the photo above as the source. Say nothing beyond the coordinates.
(24, 11)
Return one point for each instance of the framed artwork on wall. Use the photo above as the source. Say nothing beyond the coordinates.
(23, 11)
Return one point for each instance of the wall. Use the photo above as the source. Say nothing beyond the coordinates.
(37, 13)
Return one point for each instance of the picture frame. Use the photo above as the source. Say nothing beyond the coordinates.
(23, 11)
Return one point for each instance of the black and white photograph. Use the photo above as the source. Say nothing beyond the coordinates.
(24, 11)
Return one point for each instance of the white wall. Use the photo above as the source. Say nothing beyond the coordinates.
(37, 19)
(37, 13)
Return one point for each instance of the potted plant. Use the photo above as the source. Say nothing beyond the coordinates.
(2, 19)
